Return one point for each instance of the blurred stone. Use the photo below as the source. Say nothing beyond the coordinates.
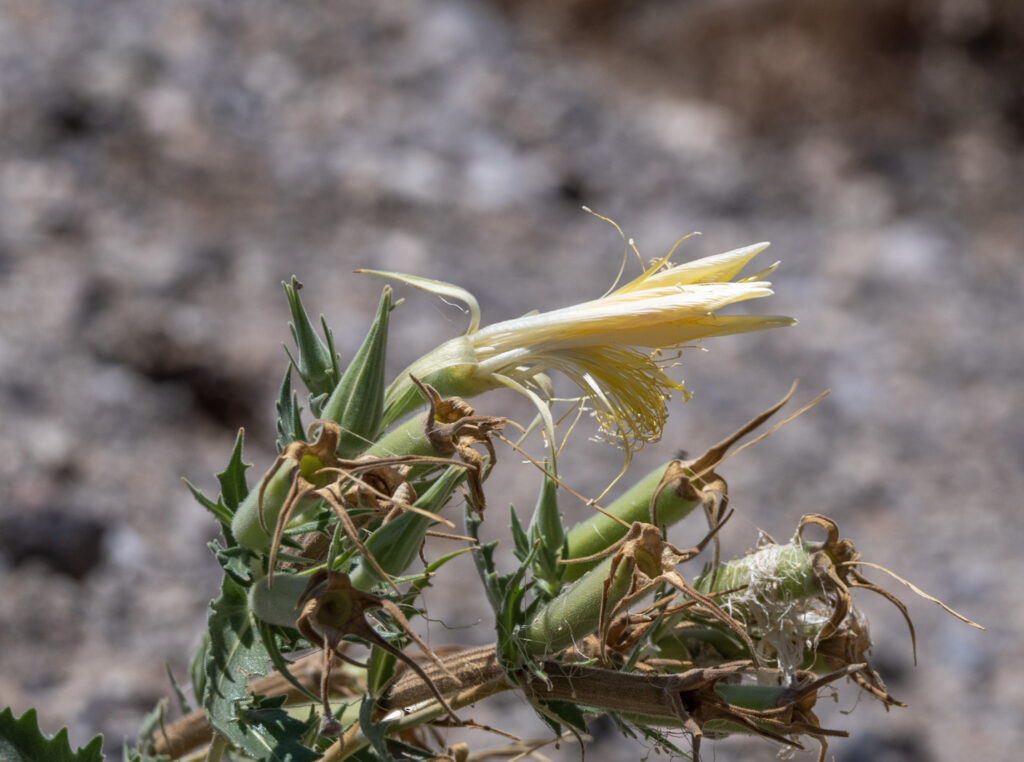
(68, 544)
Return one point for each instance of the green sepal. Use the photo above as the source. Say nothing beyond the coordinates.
(317, 363)
(21, 740)
(289, 413)
(269, 637)
(450, 368)
(357, 402)
(421, 581)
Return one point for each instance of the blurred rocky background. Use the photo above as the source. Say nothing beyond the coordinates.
(164, 166)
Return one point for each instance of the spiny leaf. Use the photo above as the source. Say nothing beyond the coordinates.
(556, 713)
(21, 740)
(261, 728)
(183, 703)
(218, 509)
(152, 722)
(521, 544)
(289, 413)
(233, 488)
(235, 561)
(197, 667)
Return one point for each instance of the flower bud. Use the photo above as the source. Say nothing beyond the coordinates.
(357, 402)
(317, 362)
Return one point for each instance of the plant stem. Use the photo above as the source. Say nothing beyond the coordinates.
(217, 747)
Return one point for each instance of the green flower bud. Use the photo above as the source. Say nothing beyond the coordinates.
(357, 402)
(246, 526)
(546, 526)
(317, 362)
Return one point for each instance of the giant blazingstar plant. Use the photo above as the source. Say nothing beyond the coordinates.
(616, 349)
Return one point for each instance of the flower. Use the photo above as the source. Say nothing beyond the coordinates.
(616, 348)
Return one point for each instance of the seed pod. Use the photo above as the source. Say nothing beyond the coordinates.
(676, 500)
(576, 611)
(278, 604)
(253, 523)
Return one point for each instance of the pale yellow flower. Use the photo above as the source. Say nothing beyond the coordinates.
(616, 349)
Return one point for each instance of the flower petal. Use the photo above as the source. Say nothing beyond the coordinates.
(718, 268)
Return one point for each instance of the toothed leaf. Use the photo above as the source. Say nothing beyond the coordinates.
(21, 740)
(259, 727)
(233, 488)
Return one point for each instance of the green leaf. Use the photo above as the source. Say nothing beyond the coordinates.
(521, 545)
(236, 562)
(289, 413)
(233, 488)
(197, 667)
(218, 509)
(130, 754)
(151, 723)
(557, 713)
(260, 728)
(268, 635)
(376, 731)
(505, 594)
(381, 670)
(21, 740)
(546, 526)
(183, 703)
